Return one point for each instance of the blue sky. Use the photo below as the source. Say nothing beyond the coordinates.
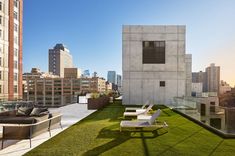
(91, 29)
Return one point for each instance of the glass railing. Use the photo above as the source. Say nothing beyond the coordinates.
(208, 113)
(12, 105)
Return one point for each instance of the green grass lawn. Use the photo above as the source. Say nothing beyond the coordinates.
(98, 134)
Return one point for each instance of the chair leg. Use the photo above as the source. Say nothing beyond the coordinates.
(2, 143)
(30, 136)
(49, 128)
(49, 132)
(30, 143)
(3, 131)
(61, 126)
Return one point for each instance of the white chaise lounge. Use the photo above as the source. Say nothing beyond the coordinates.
(142, 125)
(136, 108)
(138, 112)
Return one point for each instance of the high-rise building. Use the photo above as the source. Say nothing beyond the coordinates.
(154, 64)
(111, 77)
(119, 82)
(59, 58)
(200, 77)
(213, 78)
(11, 16)
(86, 73)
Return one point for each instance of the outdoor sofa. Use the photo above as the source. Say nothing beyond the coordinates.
(25, 124)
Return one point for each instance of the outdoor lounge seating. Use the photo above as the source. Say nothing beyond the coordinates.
(137, 125)
(138, 112)
(145, 117)
(135, 108)
(15, 127)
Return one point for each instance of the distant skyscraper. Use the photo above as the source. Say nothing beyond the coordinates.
(59, 58)
(119, 81)
(95, 74)
(11, 49)
(86, 73)
(112, 77)
(213, 78)
(200, 77)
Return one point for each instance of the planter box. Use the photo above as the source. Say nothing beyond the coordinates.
(98, 102)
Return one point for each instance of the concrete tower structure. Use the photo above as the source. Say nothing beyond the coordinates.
(155, 65)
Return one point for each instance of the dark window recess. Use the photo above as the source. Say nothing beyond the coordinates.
(162, 84)
(153, 52)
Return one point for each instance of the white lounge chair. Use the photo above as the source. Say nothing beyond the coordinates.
(145, 117)
(140, 125)
(135, 108)
(138, 111)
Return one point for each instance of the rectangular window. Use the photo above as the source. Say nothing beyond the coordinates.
(0, 6)
(15, 27)
(15, 52)
(15, 64)
(162, 84)
(15, 89)
(15, 15)
(0, 75)
(15, 3)
(0, 88)
(0, 33)
(0, 61)
(1, 20)
(16, 40)
(153, 52)
(15, 76)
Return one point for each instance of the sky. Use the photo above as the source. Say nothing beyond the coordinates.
(92, 31)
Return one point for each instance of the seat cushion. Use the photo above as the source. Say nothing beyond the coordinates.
(134, 124)
(41, 118)
(17, 120)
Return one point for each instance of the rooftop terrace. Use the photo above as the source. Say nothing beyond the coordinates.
(98, 134)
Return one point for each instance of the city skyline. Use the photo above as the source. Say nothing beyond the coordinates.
(94, 35)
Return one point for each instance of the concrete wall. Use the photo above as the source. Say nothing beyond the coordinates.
(141, 81)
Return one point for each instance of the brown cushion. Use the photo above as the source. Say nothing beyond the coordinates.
(39, 112)
(17, 120)
(23, 111)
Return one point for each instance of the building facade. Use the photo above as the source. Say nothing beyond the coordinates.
(11, 16)
(72, 73)
(213, 78)
(59, 58)
(224, 87)
(119, 82)
(52, 91)
(197, 89)
(111, 77)
(155, 65)
(200, 77)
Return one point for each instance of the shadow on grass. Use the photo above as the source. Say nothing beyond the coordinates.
(120, 138)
